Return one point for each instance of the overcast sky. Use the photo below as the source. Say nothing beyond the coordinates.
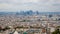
(40, 5)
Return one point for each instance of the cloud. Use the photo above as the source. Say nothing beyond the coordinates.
(41, 5)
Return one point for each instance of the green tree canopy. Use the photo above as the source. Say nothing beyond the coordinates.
(56, 31)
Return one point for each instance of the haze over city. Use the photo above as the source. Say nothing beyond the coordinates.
(29, 16)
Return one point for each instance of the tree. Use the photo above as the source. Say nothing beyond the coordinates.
(56, 31)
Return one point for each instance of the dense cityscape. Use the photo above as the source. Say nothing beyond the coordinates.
(29, 22)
